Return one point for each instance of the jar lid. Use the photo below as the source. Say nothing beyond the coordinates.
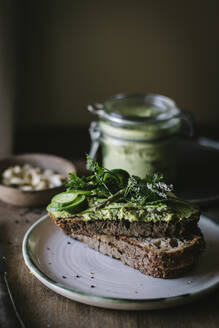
(129, 109)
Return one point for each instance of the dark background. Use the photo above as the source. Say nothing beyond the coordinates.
(61, 55)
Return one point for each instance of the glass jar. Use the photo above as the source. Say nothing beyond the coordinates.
(138, 133)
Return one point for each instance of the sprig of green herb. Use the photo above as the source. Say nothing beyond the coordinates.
(99, 173)
(147, 190)
(100, 181)
(75, 183)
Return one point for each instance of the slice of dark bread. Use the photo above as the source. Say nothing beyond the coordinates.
(157, 257)
(174, 228)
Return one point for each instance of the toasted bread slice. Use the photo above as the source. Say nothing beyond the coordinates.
(173, 228)
(157, 257)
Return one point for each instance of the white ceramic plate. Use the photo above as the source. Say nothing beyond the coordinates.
(73, 270)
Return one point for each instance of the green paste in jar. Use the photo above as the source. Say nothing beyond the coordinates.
(141, 150)
(138, 133)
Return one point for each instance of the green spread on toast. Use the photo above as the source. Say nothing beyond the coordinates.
(115, 195)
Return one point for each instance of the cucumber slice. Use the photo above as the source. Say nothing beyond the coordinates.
(53, 208)
(122, 175)
(50, 208)
(79, 204)
(111, 181)
(116, 179)
(64, 198)
(81, 192)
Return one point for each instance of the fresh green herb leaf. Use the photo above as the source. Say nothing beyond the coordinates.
(99, 173)
(75, 183)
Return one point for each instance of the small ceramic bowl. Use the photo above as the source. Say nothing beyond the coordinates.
(34, 197)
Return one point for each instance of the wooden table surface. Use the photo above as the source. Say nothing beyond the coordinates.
(40, 307)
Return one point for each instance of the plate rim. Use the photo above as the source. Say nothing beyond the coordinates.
(172, 300)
